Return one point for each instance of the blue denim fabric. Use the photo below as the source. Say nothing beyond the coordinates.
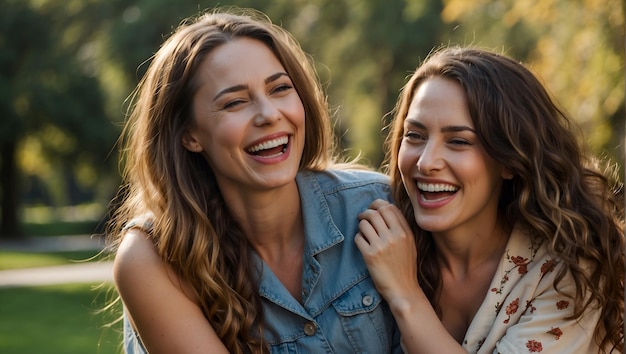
(132, 343)
(341, 311)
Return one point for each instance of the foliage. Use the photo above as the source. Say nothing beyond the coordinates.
(67, 66)
(62, 228)
(365, 49)
(577, 48)
(54, 129)
(53, 98)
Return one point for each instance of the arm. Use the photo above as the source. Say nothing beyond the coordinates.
(388, 247)
(167, 320)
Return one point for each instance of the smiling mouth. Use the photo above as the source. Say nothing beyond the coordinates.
(436, 191)
(270, 148)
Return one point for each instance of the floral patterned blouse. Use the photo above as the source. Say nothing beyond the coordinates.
(523, 313)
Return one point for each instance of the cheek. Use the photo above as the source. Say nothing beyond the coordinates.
(478, 170)
(221, 136)
(297, 113)
(407, 159)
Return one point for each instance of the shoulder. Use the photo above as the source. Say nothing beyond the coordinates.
(137, 263)
(160, 306)
(136, 257)
(333, 180)
(348, 190)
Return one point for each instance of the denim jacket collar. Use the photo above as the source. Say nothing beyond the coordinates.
(321, 233)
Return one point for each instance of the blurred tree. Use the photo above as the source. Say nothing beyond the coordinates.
(138, 30)
(52, 103)
(363, 50)
(67, 66)
(576, 48)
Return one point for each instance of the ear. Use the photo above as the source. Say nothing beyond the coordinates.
(507, 174)
(190, 142)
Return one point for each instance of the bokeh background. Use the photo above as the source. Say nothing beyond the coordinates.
(67, 66)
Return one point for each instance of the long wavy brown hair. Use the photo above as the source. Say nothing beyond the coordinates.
(562, 196)
(192, 228)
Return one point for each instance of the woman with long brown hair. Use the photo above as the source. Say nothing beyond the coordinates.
(506, 238)
(231, 233)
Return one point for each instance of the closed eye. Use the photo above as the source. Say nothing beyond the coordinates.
(233, 103)
(414, 136)
(281, 88)
(460, 142)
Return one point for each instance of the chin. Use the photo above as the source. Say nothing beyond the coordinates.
(431, 225)
(279, 181)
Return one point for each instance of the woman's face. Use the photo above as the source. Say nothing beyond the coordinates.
(248, 118)
(452, 183)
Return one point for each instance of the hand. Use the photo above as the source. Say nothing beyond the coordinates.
(388, 248)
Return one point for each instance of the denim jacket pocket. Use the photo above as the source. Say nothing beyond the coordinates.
(284, 348)
(365, 318)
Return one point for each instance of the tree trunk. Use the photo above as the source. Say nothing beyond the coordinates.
(9, 197)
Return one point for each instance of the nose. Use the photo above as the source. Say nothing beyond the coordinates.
(431, 159)
(268, 112)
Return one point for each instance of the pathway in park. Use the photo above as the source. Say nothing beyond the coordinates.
(79, 272)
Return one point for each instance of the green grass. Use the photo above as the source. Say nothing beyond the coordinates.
(59, 319)
(63, 319)
(16, 260)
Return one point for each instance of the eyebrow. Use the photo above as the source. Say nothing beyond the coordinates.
(446, 128)
(236, 88)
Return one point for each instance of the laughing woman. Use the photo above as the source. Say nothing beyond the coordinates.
(234, 234)
(505, 238)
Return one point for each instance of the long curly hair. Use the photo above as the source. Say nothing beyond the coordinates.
(192, 228)
(571, 201)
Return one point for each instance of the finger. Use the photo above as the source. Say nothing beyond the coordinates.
(393, 218)
(368, 243)
(378, 203)
(361, 242)
(375, 221)
(368, 232)
(381, 214)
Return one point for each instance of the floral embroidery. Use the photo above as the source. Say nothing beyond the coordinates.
(498, 307)
(534, 346)
(480, 343)
(529, 306)
(521, 263)
(562, 305)
(548, 266)
(503, 281)
(513, 306)
(518, 264)
(511, 309)
(556, 331)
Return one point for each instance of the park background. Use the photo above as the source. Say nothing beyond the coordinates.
(67, 68)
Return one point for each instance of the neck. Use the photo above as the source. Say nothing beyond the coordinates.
(271, 220)
(461, 253)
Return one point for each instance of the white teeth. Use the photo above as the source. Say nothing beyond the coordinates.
(270, 144)
(436, 187)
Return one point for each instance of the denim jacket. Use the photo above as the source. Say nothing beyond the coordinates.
(341, 311)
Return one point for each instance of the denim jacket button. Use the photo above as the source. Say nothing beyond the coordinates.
(367, 300)
(310, 329)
